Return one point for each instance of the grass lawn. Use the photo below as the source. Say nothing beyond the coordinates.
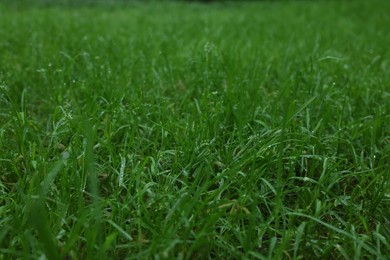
(195, 131)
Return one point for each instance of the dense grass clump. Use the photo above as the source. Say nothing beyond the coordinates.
(257, 130)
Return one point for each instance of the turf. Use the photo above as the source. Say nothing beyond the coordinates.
(176, 130)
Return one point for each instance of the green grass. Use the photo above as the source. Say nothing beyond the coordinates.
(173, 130)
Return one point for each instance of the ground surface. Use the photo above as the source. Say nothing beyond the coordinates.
(195, 131)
